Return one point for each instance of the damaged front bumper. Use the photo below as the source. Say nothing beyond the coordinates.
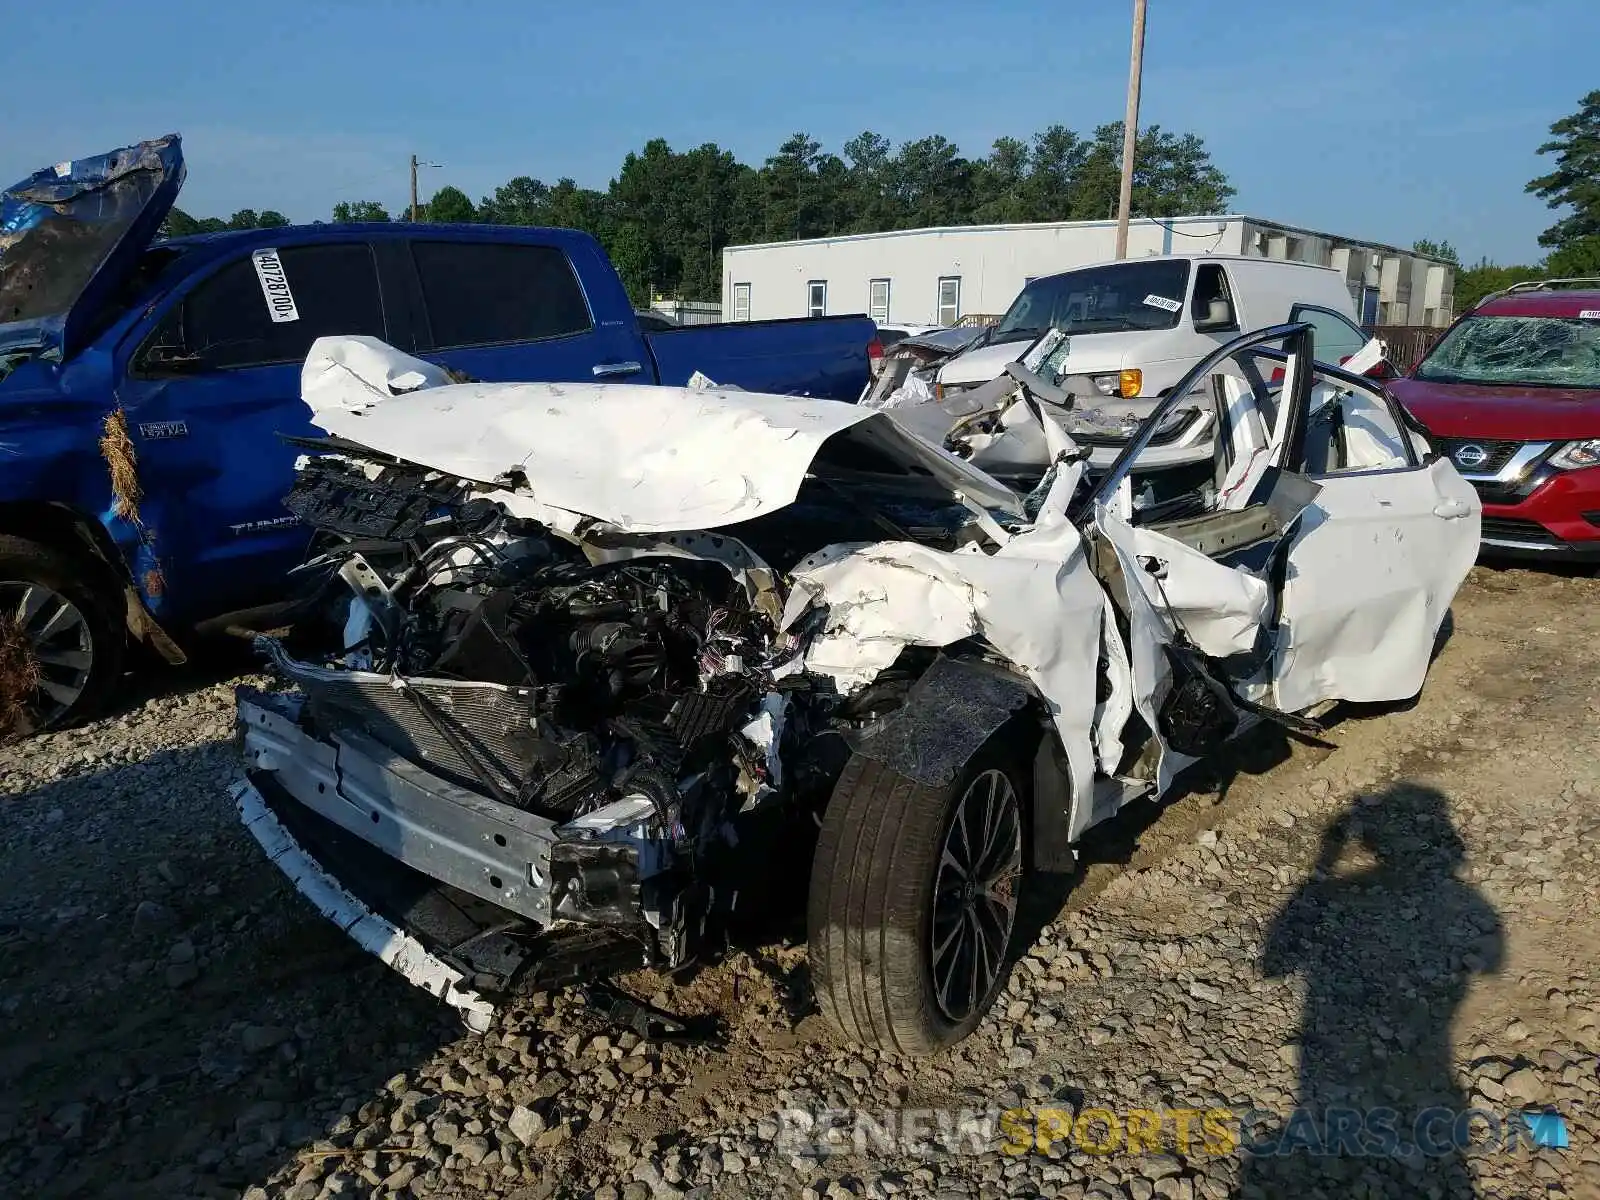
(465, 896)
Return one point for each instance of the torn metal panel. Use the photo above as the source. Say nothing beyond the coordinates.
(70, 234)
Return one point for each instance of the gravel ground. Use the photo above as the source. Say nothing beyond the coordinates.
(1402, 918)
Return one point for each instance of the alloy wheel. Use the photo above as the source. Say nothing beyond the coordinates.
(975, 894)
(59, 642)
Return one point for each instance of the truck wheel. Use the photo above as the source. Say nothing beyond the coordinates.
(914, 898)
(61, 637)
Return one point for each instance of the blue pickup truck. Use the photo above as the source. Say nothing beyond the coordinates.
(146, 387)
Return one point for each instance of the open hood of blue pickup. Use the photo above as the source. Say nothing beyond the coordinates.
(71, 234)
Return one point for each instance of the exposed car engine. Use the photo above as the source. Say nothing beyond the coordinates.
(647, 700)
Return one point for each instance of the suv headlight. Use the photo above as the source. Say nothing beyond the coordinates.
(1576, 455)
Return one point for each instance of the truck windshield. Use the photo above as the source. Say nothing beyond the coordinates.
(1117, 297)
(1531, 351)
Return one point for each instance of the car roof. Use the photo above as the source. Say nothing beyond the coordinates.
(1254, 260)
(1541, 302)
(334, 231)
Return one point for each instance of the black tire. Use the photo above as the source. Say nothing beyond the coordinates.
(84, 584)
(872, 901)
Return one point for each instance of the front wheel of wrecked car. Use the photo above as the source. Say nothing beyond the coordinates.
(914, 898)
(61, 639)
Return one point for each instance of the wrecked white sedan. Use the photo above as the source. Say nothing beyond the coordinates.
(584, 671)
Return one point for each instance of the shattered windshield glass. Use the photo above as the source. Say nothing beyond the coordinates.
(1110, 299)
(1533, 351)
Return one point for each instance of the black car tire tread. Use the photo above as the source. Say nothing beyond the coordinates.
(870, 904)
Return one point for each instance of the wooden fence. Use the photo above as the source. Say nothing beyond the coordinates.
(1407, 343)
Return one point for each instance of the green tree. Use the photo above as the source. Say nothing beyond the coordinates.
(1578, 257)
(520, 201)
(1000, 183)
(347, 211)
(933, 183)
(450, 206)
(793, 206)
(1575, 182)
(181, 224)
(271, 218)
(1484, 277)
(1173, 176)
(245, 218)
(871, 200)
(1056, 164)
(1442, 250)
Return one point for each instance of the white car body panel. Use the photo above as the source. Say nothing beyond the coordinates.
(1373, 563)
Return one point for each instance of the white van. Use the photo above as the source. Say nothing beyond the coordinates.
(1135, 326)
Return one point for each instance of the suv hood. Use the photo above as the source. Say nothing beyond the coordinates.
(642, 458)
(1498, 411)
(1087, 354)
(71, 234)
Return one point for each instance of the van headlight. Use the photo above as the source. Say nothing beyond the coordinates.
(1575, 456)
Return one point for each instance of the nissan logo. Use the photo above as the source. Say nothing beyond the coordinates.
(1472, 456)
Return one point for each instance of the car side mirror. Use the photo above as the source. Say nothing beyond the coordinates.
(1219, 316)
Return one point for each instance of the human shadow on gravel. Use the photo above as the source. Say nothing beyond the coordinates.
(1387, 938)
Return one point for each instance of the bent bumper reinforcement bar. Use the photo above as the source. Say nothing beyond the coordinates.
(369, 931)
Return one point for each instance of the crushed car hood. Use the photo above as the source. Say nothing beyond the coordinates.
(642, 458)
(71, 233)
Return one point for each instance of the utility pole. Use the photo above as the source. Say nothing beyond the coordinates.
(414, 165)
(1130, 129)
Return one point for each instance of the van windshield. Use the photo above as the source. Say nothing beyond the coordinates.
(1114, 298)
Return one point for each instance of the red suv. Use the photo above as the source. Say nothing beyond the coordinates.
(1511, 395)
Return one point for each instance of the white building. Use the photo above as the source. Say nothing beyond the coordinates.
(939, 276)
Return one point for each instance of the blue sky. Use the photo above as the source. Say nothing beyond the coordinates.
(1389, 121)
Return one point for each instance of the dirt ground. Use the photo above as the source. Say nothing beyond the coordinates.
(174, 1021)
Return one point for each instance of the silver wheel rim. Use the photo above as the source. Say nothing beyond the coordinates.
(58, 639)
(975, 894)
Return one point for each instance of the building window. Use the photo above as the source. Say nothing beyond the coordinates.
(878, 300)
(741, 302)
(817, 298)
(949, 299)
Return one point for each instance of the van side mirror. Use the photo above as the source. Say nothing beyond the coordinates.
(1219, 317)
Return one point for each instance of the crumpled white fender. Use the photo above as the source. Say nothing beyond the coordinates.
(1034, 600)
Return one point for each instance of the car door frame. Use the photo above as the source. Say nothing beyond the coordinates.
(1152, 623)
(1403, 578)
(621, 352)
(1367, 340)
(182, 420)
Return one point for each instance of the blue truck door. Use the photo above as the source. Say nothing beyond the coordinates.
(508, 311)
(207, 391)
